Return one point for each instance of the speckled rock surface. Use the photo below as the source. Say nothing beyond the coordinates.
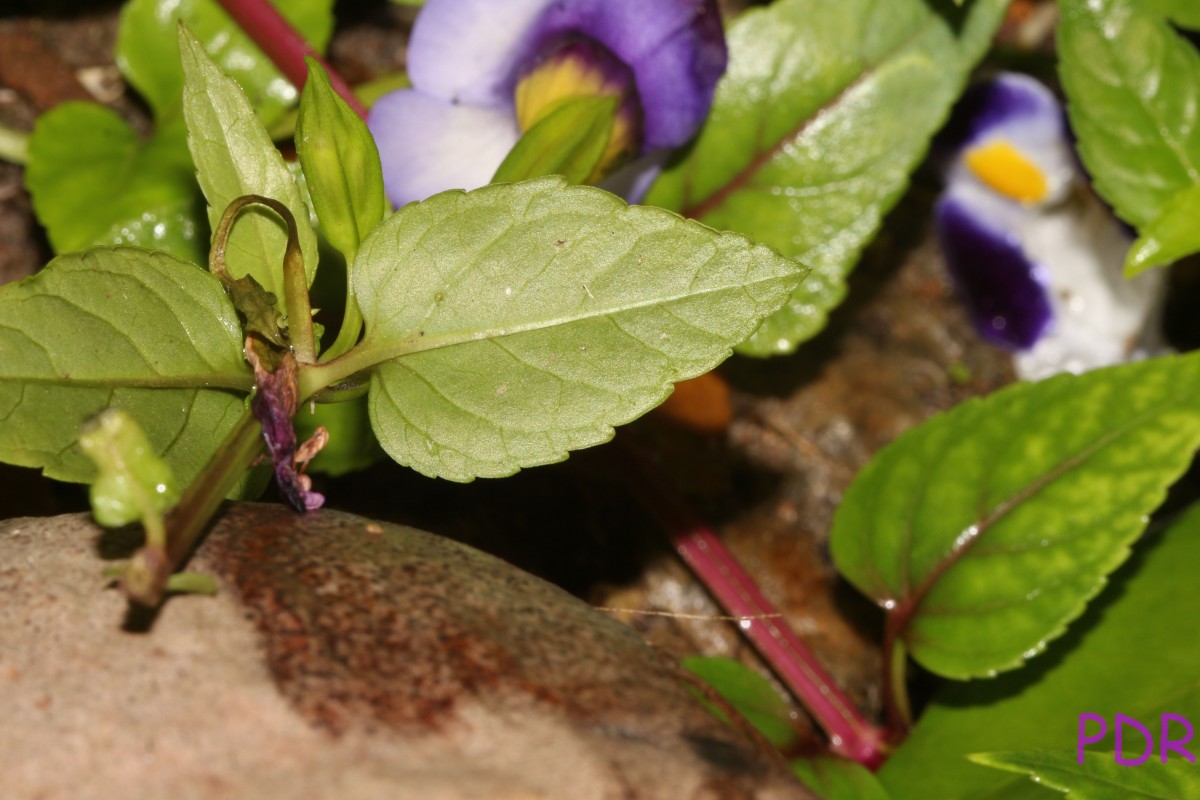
(341, 659)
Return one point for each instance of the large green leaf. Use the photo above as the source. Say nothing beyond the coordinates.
(1172, 235)
(148, 52)
(1131, 653)
(94, 181)
(825, 111)
(235, 157)
(1100, 777)
(1133, 86)
(122, 327)
(985, 530)
(521, 321)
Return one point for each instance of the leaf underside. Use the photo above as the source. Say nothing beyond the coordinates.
(121, 327)
(521, 321)
(825, 111)
(989, 527)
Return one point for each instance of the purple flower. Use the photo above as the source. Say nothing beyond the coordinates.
(484, 71)
(1037, 259)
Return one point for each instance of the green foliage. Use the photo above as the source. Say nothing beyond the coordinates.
(341, 165)
(148, 54)
(825, 111)
(132, 482)
(1171, 236)
(235, 157)
(94, 181)
(989, 527)
(519, 321)
(568, 141)
(1185, 13)
(70, 351)
(1099, 777)
(1133, 86)
(1125, 655)
(351, 446)
(838, 779)
(750, 693)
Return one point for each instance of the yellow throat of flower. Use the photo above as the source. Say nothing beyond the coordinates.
(580, 69)
(1002, 167)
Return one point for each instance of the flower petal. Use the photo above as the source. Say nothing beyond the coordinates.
(469, 51)
(1005, 292)
(676, 49)
(427, 145)
(1012, 113)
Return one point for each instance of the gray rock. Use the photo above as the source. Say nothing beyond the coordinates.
(342, 659)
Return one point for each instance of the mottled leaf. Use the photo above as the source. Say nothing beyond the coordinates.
(1133, 91)
(825, 111)
(519, 321)
(1128, 654)
(988, 528)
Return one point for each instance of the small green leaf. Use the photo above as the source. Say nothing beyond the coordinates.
(1170, 237)
(235, 157)
(838, 779)
(825, 111)
(519, 321)
(988, 528)
(751, 694)
(132, 482)
(1133, 86)
(341, 165)
(122, 327)
(568, 141)
(148, 53)
(1100, 777)
(94, 182)
(1128, 654)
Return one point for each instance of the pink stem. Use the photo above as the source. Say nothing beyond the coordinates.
(850, 735)
(284, 45)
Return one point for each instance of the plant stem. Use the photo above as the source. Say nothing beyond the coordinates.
(352, 320)
(14, 145)
(850, 735)
(284, 45)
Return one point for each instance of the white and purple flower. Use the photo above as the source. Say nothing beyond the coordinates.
(1036, 257)
(485, 71)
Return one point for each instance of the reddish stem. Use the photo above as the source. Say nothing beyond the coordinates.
(850, 734)
(284, 45)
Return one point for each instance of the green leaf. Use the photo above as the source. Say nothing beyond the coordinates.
(1100, 777)
(568, 141)
(148, 53)
(341, 165)
(94, 181)
(1185, 13)
(235, 157)
(825, 111)
(520, 321)
(1128, 654)
(838, 779)
(988, 528)
(1170, 237)
(750, 693)
(1133, 86)
(132, 482)
(122, 327)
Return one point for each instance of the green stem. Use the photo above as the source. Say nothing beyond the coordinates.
(317, 377)
(14, 145)
(187, 521)
(352, 320)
